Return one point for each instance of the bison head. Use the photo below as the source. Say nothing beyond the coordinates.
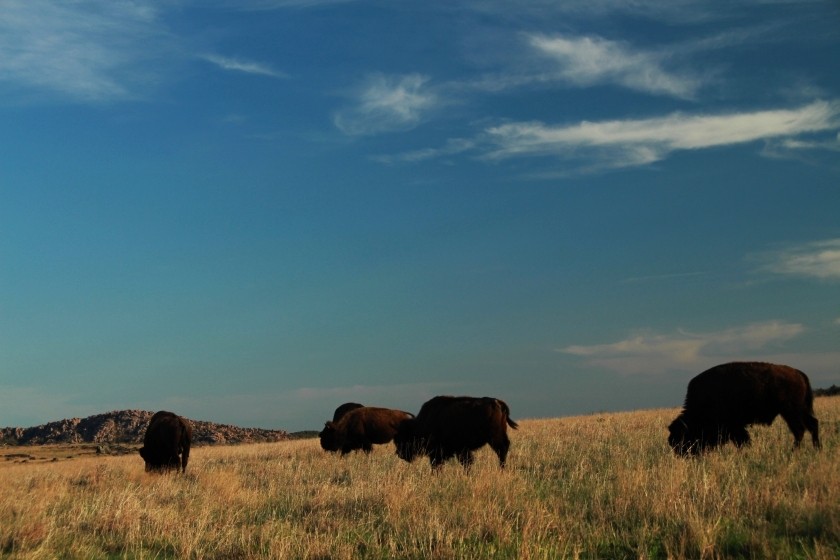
(146, 458)
(681, 439)
(690, 437)
(329, 437)
(408, 444)
(157, 462)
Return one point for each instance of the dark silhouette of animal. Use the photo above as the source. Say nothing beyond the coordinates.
(327, 436)
(344, 409)
(166, 445)
(449, 427)
(361, 428)
(722, 401)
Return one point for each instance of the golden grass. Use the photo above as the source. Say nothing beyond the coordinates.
(600, 486)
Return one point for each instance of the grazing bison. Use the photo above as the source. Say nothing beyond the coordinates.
(455, 426)
(166, 445)
(344, 409)
(360, 428)
(722, 401)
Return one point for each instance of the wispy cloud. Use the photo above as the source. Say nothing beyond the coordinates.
(664, 277)
(807, 150)
(818, 259)
(587, 61)
(245, 66)
(634, 142)
(267, 5)
(388, 103)
(646, 140)
(88, 51)
(651, 353)
(453, 147)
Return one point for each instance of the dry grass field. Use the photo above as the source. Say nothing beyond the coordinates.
(600, 486)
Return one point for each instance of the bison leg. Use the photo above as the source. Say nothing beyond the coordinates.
(813, 426)
(712, 438)
(173, 461)
(740, 437)
(437, 458)
(798, 424)
(501, 448)
(466, 458)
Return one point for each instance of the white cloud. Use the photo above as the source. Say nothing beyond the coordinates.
(453, 147)
(247, 67)
(587, 61)
(829, 145)
(388, 103)
(806, 150)
(819, 259)
(266, 5)
(89, 51)
(651, 353)
(636, 142)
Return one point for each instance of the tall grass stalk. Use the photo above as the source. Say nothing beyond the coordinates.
(599, 486)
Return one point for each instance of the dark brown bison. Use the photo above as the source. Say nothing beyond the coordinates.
(344, 409)
(449, 427)
(722, 401)
(166, 445)
(360, 428)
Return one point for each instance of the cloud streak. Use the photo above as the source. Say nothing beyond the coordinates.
(635, 142)
(388, 103)
(647, 140)
(652, 353)
(92, 51)
(818, 259)
(588, 61)
(247, 67)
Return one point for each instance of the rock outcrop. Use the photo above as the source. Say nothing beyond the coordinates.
(129, 426)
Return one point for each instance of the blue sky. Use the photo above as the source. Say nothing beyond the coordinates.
(252, 211)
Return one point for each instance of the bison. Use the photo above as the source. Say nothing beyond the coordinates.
(722, 401)
(360, 428)
(449, 426)
(166, 445)
(344, 409)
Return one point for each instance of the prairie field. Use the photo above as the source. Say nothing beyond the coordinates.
(597, 486)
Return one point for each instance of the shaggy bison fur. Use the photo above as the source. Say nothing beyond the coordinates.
(449, 427)
(166, 445)
(360, 428)
(721, 402)
(344, 409)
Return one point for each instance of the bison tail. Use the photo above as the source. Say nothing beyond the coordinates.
(506, 412)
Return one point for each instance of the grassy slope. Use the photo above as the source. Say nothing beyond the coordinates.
(601, 486)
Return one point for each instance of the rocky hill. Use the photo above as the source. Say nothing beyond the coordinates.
(129, 426)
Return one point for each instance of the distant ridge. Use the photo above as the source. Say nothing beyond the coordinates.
(129, 426)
